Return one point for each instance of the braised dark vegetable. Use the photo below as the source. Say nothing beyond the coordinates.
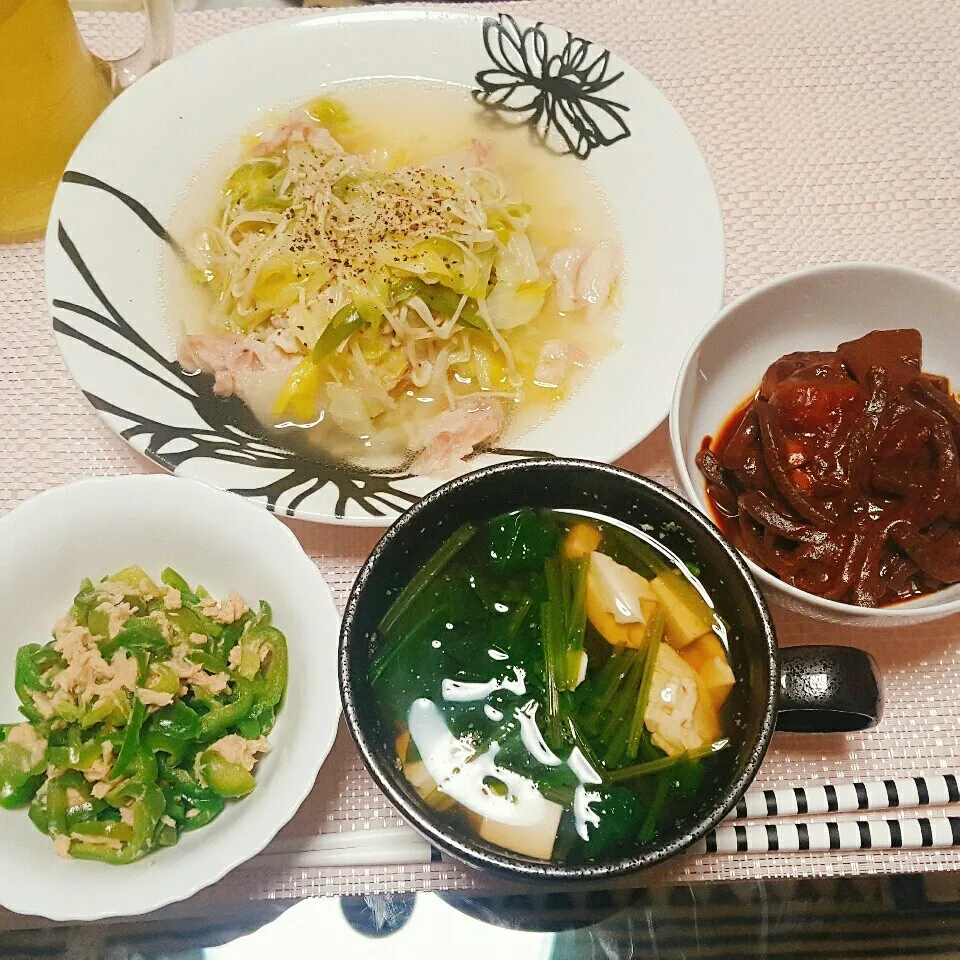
(841, 475)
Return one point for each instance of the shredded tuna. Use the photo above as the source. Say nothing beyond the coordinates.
(228, 610)
(112, 592)
(101, 789)
(110, 842)
(184, 668)
(172, 599)
(153, 698)
(213, 683)
(61, 845)
(239, 750)
(74, 797)
(23, 735)
(117, 615)
(163, 622)
(98, 770)
(115, 591)
(85, 666)
(43, 703)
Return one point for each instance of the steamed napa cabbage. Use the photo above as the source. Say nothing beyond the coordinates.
(387, 292)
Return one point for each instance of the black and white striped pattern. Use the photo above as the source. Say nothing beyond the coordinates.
(931, 789)
(910, 834)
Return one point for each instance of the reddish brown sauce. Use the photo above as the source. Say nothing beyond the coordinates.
(841, 475)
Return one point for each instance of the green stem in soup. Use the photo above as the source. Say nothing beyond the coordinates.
(405, 600)
(655, 811)
(550, 675)
(609, 687)
(655, 635)
(639, 770)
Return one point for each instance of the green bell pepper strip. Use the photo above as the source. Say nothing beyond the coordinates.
(82, 813)
(278, 668)
(166, 835)
(343, 324)
(194, 797)
(173, 579)
(175, 809)
(32, 662)
(215, 655)
(148, 807)
(76, 756)
(226, 778)
(114, 709)
(137, 634)
(58, 805)
(39, 813)
(189, 620)
(254, 641)
(171, 730)
(98, 623)
(111, 829)
(19, 778)
(219, 719)
(83, 602)
(259, 722)
(131, 741)
(209, 661)
(20, 796)
(207, 811)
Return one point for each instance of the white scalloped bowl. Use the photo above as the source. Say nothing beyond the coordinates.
(94, 527)
(813, 309)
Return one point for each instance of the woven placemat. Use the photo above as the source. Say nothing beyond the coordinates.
(832, 132)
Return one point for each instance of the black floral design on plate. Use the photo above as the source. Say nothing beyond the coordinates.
(560, 94)
(223, 429)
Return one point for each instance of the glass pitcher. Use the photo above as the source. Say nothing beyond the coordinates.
(51, 89)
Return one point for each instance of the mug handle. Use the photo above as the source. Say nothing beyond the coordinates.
(157, 46)
(828, 689)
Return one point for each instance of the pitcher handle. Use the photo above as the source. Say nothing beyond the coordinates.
(157, 46)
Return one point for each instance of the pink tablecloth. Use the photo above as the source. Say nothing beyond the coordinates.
(832, 132)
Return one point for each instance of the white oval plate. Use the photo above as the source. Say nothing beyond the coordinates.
(93, 528)
(105, 240)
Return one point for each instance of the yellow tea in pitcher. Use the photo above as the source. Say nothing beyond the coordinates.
(51, 89)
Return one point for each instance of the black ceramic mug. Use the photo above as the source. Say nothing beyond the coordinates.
(814, 688)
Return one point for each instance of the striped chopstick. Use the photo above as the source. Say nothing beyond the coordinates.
(927, 790)
(910, 834)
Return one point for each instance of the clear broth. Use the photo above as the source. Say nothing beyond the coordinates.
(567, 209)
(466, 667)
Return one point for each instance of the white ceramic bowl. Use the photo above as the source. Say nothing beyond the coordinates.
(93, 528)
(814, 309)
(105, 248)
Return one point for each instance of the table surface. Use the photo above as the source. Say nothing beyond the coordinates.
(871, 917)
(832, 133)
